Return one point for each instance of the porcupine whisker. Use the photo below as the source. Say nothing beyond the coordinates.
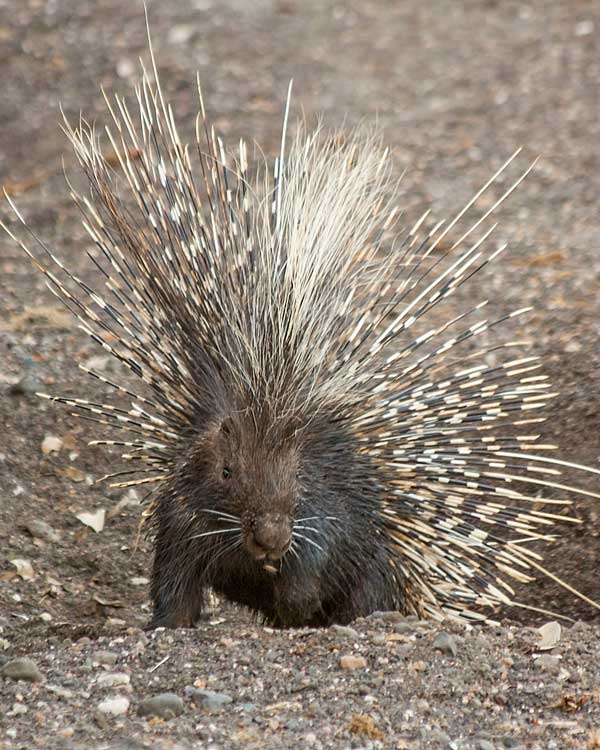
(212, 533)
(223, 552)
(307, 528)
(292, 551)
(317, 518)
(220, 513)
(217, 553)
(307, 539)
(193, 537)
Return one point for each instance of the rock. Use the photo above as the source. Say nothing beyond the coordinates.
(42, 530)
(445, 643)
(343, 631)
(28, 385)
(403, 628)
(105, 658)
(436, 736)
(208, 699)
(51, 444)
(24, 568)
(350, 661)
(113, 679)
(94, 519)
(548, 663)
(164, 706)
(22, 669)
(60, 691)
(139, 581)
(17, 709)
(98, 362)
(125, 68)
(391, 616)
(115, 706)
(180, 34)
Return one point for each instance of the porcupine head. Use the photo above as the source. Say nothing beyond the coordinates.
(316, 448)
(272, 515)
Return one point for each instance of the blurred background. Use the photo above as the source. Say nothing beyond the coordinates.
(455, 88)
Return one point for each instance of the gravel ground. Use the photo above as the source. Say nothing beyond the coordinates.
(388, 681)
(455, 87)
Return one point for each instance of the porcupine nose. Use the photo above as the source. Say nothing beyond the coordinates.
(271, 536)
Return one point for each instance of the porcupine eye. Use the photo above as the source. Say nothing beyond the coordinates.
(226, 431)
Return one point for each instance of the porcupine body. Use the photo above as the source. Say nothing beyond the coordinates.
(309, 455)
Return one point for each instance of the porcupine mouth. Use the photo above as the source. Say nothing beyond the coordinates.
(270, 569)
(269, 539)
(270, 559)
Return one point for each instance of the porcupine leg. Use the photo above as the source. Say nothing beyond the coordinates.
(176, 587)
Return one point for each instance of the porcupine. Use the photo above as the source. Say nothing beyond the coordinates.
(310, 459)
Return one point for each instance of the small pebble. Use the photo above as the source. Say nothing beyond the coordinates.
(139, 581)
(60, 691)
(51, 444)
(24, 568)
(28, 385)
(387, 616)
(125, 69)
(164, 706)
(105, 658)
(113, 679)
(436, 736)
(548, 663)
(445, 643)
(208, 699)
(98, 361)
(349, 662)
(344, 632)
(22, 669)
(181, 34)
(116, 706)
(404, 627)
(42, 530)
(583, 28)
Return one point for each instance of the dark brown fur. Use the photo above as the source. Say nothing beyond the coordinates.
(339, 566)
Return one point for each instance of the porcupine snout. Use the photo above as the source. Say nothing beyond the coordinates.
(270, 536)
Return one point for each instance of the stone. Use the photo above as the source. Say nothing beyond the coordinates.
(164, 706)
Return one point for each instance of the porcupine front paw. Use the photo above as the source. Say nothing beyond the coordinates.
(175, 613)
(177, 599)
